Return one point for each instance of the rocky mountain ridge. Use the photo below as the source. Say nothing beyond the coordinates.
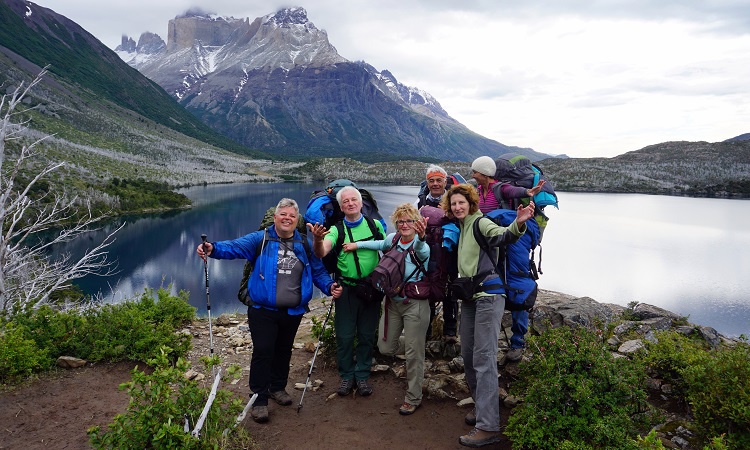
(278, 84)
(694, 169)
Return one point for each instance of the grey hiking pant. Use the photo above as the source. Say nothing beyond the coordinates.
(480, 330)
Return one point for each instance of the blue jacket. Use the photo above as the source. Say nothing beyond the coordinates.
(263, 290)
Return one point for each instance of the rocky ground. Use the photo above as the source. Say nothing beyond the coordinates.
(55, 410)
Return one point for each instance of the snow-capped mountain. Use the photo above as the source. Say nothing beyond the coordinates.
(277, 83)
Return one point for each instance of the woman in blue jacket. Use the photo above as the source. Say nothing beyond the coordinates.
(280, 287)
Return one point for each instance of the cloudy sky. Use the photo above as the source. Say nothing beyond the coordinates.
(580, 77)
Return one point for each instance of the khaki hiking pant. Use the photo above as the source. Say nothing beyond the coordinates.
(412, 317)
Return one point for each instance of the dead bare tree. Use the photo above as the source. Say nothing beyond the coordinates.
(27, 275)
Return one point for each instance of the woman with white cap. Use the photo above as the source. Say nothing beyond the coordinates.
(483, 170)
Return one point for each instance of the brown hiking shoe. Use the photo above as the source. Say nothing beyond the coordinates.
(471, 418)
(480, 438)
(282, 398)
(259, 414)
(407, 409)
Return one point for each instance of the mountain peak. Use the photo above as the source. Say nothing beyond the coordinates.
(288, 16)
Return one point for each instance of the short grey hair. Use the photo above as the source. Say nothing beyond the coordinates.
(340, 193)
(287, 203)
(433, 168)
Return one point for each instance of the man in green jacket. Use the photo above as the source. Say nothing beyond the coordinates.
(355, 316)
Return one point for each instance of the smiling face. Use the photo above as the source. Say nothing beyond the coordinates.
(405, 225)
(459, 206)
(285, 221)
(351, 204)
(436, 184)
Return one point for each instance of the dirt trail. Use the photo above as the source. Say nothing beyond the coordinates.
(55, 411)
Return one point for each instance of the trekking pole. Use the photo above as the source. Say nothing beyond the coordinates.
(208, 308)
(315, 355)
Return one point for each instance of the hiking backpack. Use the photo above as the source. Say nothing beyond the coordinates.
(267, 221)
(518, 170)
(443, 263)
(324, 209)
(388, 276)
(515, 265)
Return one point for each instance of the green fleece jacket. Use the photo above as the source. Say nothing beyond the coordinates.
(471, 260)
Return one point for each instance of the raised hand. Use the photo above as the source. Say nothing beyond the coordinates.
(420, 226)
(524, 213)
(318, 231)
(536, 189)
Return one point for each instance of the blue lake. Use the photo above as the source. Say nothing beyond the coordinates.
(687, 255)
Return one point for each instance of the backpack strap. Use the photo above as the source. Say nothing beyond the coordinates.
(419, 264)
(502, 202)
(354, 253)
(376, 234)
(485, 247)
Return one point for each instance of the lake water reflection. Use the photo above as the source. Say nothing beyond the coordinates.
(687, 255)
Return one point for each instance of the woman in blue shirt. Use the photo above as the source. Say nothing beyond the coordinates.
(402, 313)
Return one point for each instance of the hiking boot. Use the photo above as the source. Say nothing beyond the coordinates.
(471, 417)
(364, 388)
(514, 354)
(345, 388)
(480, 438)
(282, 398)
(259, 414)
(407, 409)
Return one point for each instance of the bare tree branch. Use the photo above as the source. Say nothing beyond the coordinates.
(27, 276)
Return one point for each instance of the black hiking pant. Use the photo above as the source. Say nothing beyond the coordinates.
(450, 317)
(273, 334)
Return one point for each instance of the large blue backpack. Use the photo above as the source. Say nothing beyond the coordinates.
(323, 208)
(515, 265)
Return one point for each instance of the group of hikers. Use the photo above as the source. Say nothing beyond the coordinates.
(286, 267)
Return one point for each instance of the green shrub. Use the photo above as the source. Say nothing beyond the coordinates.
(670, 355)
(326, 336)
(650, 442)
(718, 390)
(132, 330)
(159, 403)
(56, 332)
(19, 356)
(716, 384)
(575, 391)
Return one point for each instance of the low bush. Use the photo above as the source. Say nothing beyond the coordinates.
(718, 390)
(160, 403)
(327, 337)
(576, 395)
(715, 383)
(670, 354)
(132, 330)
(19, 355)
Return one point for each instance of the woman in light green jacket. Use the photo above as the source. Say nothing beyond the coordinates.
(481, 314)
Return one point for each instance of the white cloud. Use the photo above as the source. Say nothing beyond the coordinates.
(586, 78)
